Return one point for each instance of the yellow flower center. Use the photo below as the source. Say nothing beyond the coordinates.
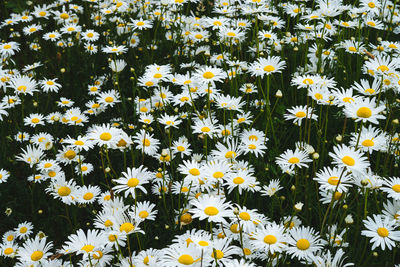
(108, 223)
(383, 232)
(231, 34)
(199, 36)
(112, 238)
(349, 161)
(238, 180)
(157, 75)
(194, 172)
(64, 16)
(35, 120)
(98, 255)
(270, 239)
(133, 182)
(396, 188)
(88, 196)
(352, 49)
(205, 129)
(371, 23)
(368, 142)
(105, 136)
(217, 175)
(79, 143)
(252, 146)
(303, 244)
(70, 154)
(64, 191)
(371, 4)
(36, 255)
(269, 68)
(48, 165)
(87, 248)
(334, 180)
(127, 227)
(180, 148)
(244, 216)
(217, 254)
(143, 214)
(364, 112)
(140, 23)
(23, 230)
(208, 75)
(294, 160)
(146, 142)
(383, 68)
(211, 211)
(186, 259)
(300, 114)
(230, 154)
(348, 99)
(234, 228)
(308, 81)
(318, 96)
(8, 251)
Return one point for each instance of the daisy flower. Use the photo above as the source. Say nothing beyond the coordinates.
(303, 243)
(382, 232)
(90, 36)
(169, 121)
(23, 84)
(85, 243)
(84, 168)
(333, 179)
(9, 49)
(23, 230)
(271, 188)
(392, 187)
(32, 155)
(109, 98)
(270, 238)
(209, 75)
(117, 65)
(4, 175)
(370, 139)
(35, 251)
(104, 135)
(267, 66)
(52, 36)
(181, 255)
(8, 249)
(381, 65)
(222, 252)
(364, 110)
(144, 211)
(62, 189)
(182, 146)
(115, 49)
(212, 208)
(349, 158)
(140, 24)
(204, 126)
(146, 143)
(291, 159)
(133, 179)
(50, 85)
(298, 113)
(88, 194)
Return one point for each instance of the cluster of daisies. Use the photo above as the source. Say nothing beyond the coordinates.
(232, 133)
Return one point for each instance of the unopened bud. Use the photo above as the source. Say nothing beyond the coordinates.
(278, 94)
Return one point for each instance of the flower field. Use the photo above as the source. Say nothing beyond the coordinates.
(199, 133)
